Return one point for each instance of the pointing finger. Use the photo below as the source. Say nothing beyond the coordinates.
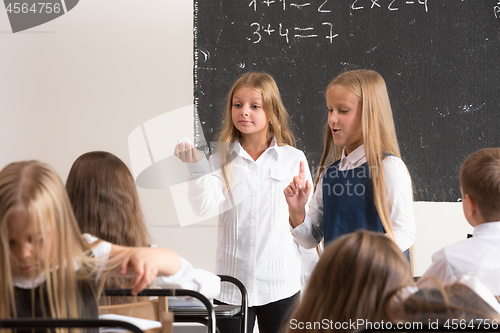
(302, 171)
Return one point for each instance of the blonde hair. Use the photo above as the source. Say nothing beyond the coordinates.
(34, 189)
(379, 133)
(480, 178)
(273, 107)
(357, 277)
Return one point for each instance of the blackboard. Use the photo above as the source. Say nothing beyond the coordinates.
(440, 60)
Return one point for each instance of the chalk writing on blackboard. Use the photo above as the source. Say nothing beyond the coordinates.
(326, 31)
(439, 59)
(355, 5)
(298, 32)
(391, 5)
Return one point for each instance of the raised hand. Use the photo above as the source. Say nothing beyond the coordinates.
(187, 153)
(296, 195)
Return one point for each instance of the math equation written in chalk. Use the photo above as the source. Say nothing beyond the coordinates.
(259, 31)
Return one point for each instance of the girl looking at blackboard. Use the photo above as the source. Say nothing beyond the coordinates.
(362, 182)
(245, 179)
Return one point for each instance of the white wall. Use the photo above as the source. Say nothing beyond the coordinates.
(85, 80)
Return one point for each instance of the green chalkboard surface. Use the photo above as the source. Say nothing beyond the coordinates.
(440, 60)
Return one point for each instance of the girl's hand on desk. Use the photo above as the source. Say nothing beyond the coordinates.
(144, 272)
(145, 264)
(296, 195)
(187, 153)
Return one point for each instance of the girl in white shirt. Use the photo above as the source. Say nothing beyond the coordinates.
(47, 269)
(244, 180)
(362, 182)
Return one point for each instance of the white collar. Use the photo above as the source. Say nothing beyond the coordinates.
(487, 230)
(28, 282)
(353, 157)
(405, 293)
(273, 149)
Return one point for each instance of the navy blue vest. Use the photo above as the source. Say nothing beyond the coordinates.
(25, 305)
(348, 203)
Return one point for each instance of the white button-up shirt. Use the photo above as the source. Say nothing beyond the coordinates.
(399, 201)
(477, 256)
(254, 243)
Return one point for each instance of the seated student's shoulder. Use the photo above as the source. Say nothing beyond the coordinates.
(460, 256)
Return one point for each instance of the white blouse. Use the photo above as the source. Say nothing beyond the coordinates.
(399, 200)
(254, 242)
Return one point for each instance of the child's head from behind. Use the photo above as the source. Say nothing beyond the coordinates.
(480, 182)
(255, 94)
(105, 201)
(357, 276)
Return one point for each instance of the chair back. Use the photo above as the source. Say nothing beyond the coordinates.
(156, 309)
(164, 293)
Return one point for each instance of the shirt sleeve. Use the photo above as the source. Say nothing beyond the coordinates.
(101, 249)
(204, 187)
(310, 258)
(187, 277)
(439, 270)
(310, 232)
(400, 201)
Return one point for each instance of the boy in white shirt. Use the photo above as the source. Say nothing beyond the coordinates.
(479, 255)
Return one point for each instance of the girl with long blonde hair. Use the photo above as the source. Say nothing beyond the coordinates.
(244, 180)
(48, 269)
(362, 183)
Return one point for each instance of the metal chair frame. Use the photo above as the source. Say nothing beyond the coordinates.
(27, 323)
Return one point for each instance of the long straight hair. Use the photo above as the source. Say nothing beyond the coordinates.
(358, 276)
(273, 107)
(379, 133)
(34, 190)
(104, 197)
